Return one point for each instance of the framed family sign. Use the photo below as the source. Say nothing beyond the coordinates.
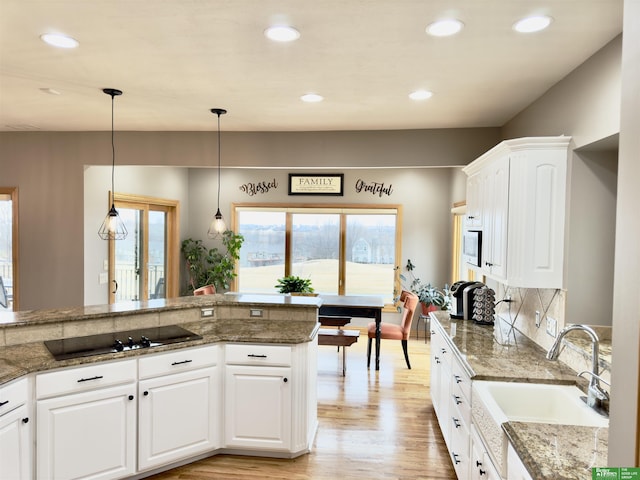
(316, 184)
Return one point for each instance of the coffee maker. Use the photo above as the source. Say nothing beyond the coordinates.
(462, 303)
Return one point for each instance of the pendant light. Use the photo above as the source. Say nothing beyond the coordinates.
(217, 227)
(112, 227)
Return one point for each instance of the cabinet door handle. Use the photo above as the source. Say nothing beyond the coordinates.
(182, 362)
(458, 378)
(482, 472)
(2, 404)
(145, 393)
(285, 379)
(97, 377)
(25, 420)
(456, 398)
(455, 458)
(253, 355)
(131, 397)
(443, 351)
(437, 359)
(456, 422)
(478, 463)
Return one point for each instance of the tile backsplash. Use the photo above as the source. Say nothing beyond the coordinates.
(549, 303)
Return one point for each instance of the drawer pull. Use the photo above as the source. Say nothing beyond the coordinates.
(25, 420)
(131, 397)
(145, 393)
(458, 378)
(2, 404)
(456, 398)
(443, 350)
(285, 379)
(482, 472)
(97, 377)
(253, 355)
(456, 422)
(478, 463)
(455, 458)
(182, 362)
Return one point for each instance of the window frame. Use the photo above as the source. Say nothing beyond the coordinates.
(343, 210)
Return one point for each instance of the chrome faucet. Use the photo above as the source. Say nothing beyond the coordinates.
(596, 395)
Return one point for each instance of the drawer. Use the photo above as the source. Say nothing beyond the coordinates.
(461, 401)
(90, 377)
(251, 354)
(461, 378)
(13, 395)
(177, 361)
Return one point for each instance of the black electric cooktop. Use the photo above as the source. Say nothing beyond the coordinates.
(75, 347)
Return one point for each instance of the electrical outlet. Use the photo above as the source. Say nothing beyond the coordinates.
(552, 326)
(206, 312)
(537, 319)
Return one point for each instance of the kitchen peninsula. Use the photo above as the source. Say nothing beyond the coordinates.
(244, 382)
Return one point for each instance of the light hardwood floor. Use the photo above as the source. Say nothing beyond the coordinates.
(373, 425)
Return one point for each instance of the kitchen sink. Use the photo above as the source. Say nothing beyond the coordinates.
(537, 403)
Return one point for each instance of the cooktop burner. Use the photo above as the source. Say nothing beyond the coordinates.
(118, 341)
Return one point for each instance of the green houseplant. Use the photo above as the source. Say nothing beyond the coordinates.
(214, 266)
(431, 298)
(294, 284)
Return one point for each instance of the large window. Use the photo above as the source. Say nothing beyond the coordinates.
(350, 250)
(8, 248)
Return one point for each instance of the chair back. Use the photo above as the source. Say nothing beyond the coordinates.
(410, 304)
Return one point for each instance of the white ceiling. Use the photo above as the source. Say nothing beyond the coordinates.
(176, 59)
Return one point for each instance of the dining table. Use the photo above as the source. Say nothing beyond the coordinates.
(361, 306)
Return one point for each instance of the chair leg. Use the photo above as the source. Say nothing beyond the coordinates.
(406, 353)
(369, 352)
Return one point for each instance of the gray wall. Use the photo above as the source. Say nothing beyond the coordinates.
(48, 168)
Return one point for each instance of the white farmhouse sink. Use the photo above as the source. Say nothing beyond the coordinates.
(538, 403)
(494, 403)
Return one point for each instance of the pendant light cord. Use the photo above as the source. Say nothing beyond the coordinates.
(218, 161)
(113, 155)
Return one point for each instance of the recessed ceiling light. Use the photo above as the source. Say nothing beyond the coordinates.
(444, 28)
(311, 98)
(59, 40)
(420, 95)
(282, 33)
(532, 24)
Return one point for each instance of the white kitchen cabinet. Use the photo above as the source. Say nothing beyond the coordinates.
(16, 454)
(439, 379)
(473, 220)
(524, 203)
(258, 407)
(179, 406)
(86, 422)
(87, 435)
(481, 467)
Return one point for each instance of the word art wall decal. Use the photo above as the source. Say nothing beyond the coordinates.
(264, 186)
(374, 188)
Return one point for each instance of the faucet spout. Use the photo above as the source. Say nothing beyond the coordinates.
(596, 395)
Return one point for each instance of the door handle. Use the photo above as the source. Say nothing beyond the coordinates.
(116, 287)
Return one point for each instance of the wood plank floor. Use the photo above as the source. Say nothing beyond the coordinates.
(373, 425)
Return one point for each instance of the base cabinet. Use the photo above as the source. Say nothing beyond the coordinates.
(87, 435)
(15, 444)
(178, 416)
(258, 407)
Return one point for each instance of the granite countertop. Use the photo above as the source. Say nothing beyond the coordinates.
(549, 452)
(35, 317)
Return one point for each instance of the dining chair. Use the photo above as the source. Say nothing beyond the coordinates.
(391, 331)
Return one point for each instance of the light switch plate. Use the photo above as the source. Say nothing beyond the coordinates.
(552, 326)
(206, 312)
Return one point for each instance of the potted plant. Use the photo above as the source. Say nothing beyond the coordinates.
(431, 298)
(212, 267)
(295, 285)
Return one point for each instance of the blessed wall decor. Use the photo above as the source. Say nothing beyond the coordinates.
(316, 184)
(254, 188)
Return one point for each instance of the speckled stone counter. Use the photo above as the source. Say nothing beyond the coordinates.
(285, 320)
(549, 452)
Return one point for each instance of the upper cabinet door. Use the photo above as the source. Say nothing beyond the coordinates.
(473, 220)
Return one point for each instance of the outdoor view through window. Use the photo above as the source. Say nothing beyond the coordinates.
(6, 251)
(367, 258)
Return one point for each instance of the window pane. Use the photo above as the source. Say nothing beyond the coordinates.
(128, 255)
(157, 253)
(370, 255)
(315, 250)
(6, 252)
(262, 253)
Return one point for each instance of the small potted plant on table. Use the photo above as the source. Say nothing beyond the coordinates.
(295, 285)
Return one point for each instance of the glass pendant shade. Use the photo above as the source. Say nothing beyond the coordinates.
(217, 227)
(113, 227)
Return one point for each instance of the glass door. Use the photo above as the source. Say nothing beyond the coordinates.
(144, 266)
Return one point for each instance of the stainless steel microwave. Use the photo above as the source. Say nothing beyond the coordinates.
(472, 247)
